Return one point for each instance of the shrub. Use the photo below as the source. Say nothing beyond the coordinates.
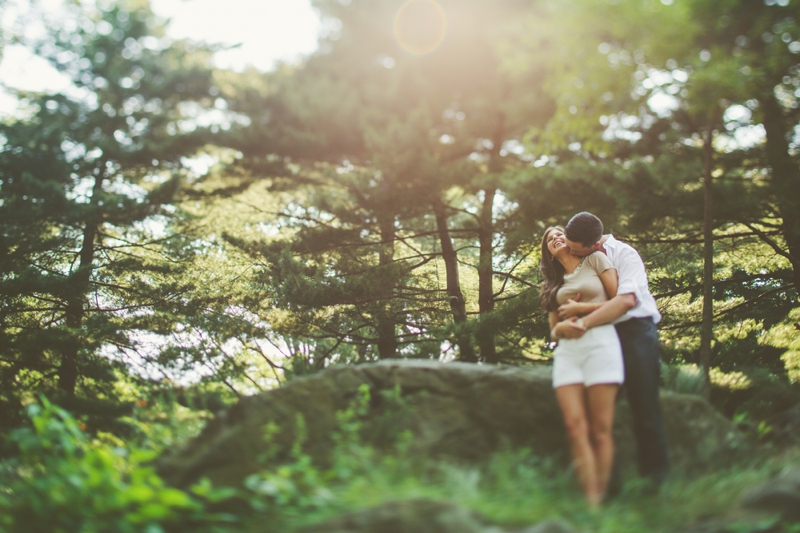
(60, 481)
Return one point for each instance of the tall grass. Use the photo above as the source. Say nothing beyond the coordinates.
(515, 489)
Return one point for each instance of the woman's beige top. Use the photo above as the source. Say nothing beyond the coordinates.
(586, 280)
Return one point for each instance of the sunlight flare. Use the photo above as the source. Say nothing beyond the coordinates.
(420, 26)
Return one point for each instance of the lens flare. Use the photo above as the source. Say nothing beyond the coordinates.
(420, 26)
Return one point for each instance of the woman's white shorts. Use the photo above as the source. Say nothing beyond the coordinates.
(593, 359)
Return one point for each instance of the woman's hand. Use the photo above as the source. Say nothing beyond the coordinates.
(573, 307)
(572, 328)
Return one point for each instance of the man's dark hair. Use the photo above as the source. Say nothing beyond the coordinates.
(584, 228)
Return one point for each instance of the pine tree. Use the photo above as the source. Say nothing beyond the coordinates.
(86, 182)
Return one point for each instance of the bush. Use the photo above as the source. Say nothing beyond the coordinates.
(62, 482)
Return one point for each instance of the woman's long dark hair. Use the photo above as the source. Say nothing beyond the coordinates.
(553, 273)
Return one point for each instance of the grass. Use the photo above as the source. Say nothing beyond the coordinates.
(515, 489)
(82, 482)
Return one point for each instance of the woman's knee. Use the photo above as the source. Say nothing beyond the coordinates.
(601, 430)
(577, 427)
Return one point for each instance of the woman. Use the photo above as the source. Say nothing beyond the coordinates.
(587, 372)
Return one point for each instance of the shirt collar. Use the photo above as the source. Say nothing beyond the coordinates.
(610, 244)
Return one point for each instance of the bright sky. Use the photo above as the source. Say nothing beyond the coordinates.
(268, 31)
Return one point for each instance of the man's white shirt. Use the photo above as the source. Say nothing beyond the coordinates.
(632, 279)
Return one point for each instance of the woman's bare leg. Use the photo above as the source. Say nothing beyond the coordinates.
(601, 402)
(572, 400)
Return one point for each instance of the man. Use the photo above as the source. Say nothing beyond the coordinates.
(634, 314)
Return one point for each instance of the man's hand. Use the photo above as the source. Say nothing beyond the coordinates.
(570, 329)
(571, 308)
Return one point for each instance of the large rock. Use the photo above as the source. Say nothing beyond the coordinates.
(785, 426)
(779, 495)
(772, 506)
(461, 410)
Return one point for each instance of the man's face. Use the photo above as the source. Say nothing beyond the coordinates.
(576, 248)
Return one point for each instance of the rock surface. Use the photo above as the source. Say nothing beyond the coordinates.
(780, 495)
(785, 426)
(460, 410)
(771, 507)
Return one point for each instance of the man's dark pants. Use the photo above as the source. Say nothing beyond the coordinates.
(641, 351)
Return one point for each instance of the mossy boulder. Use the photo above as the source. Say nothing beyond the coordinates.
(777, 496)
(770, 507)
(784, 427)
(457, 410)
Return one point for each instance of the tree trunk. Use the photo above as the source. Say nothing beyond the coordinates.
(458, 305)
(707, 325)
(69, 370)
(385, 322)
(785, 179)
(485, 334)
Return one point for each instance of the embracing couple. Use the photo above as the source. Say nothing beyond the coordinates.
(603, 318)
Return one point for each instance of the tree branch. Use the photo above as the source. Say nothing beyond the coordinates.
(728, 281)
(731, 309)
(772, 244)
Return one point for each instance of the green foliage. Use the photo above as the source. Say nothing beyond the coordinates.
(294, 486)
(350, 454)
(512, 489)
(515, 489)
(318, 235)
(318, 238)
(684, 379)
(426, 131)
(86, 184)
(63, 482)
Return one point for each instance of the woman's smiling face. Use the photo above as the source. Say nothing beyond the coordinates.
(556, 242)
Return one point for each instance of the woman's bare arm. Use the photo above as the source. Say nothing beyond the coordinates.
(610, 280)
(553, 322)
(574, 307)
